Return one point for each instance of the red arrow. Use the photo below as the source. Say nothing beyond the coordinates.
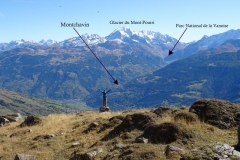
(171, 52)
(114, 80)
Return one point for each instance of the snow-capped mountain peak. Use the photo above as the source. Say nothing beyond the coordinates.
(47, 42)
(120, 33)
(91, 39)
(21, 43)
(125, 34)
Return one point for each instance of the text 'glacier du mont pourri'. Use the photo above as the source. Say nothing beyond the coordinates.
(131, 22)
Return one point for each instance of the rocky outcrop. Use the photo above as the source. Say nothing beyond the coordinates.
(31, 120)
(12, 117)
(3, 121)
(218, 151)
(220, 113)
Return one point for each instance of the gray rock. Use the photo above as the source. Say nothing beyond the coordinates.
(91, 155)
(228, 152)
(173, 150)
(104, 109)
(24, 157)
(49, 136)
(3, 120)
(120, 145)
(13, 117)
(94, 124)
(76, 144)
(236, 153)
(141, 140)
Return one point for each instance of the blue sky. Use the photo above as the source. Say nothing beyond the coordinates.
(41, 19)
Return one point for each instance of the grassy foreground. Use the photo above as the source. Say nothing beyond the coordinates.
(75, 128)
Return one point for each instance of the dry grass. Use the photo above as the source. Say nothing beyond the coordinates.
(70, 128)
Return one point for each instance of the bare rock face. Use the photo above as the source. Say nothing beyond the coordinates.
(220, 113)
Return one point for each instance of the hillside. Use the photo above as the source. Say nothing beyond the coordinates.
(12, 102)
(113, 135)
(207, 43)
(68, 70)
(182, 82)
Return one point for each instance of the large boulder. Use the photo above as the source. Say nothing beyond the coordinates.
(138, 121)
(31, 120)
(220, 113)
(13, 117)
(167, 132)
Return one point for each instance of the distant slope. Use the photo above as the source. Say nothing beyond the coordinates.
(12, 102)
(181, 83)
(73, 72)
(204, 44)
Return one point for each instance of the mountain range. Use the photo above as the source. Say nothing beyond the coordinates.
(181, 83)
(204, 44)
(138, 59)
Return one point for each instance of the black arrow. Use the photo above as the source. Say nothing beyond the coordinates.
(114, 80)
(171, 51)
